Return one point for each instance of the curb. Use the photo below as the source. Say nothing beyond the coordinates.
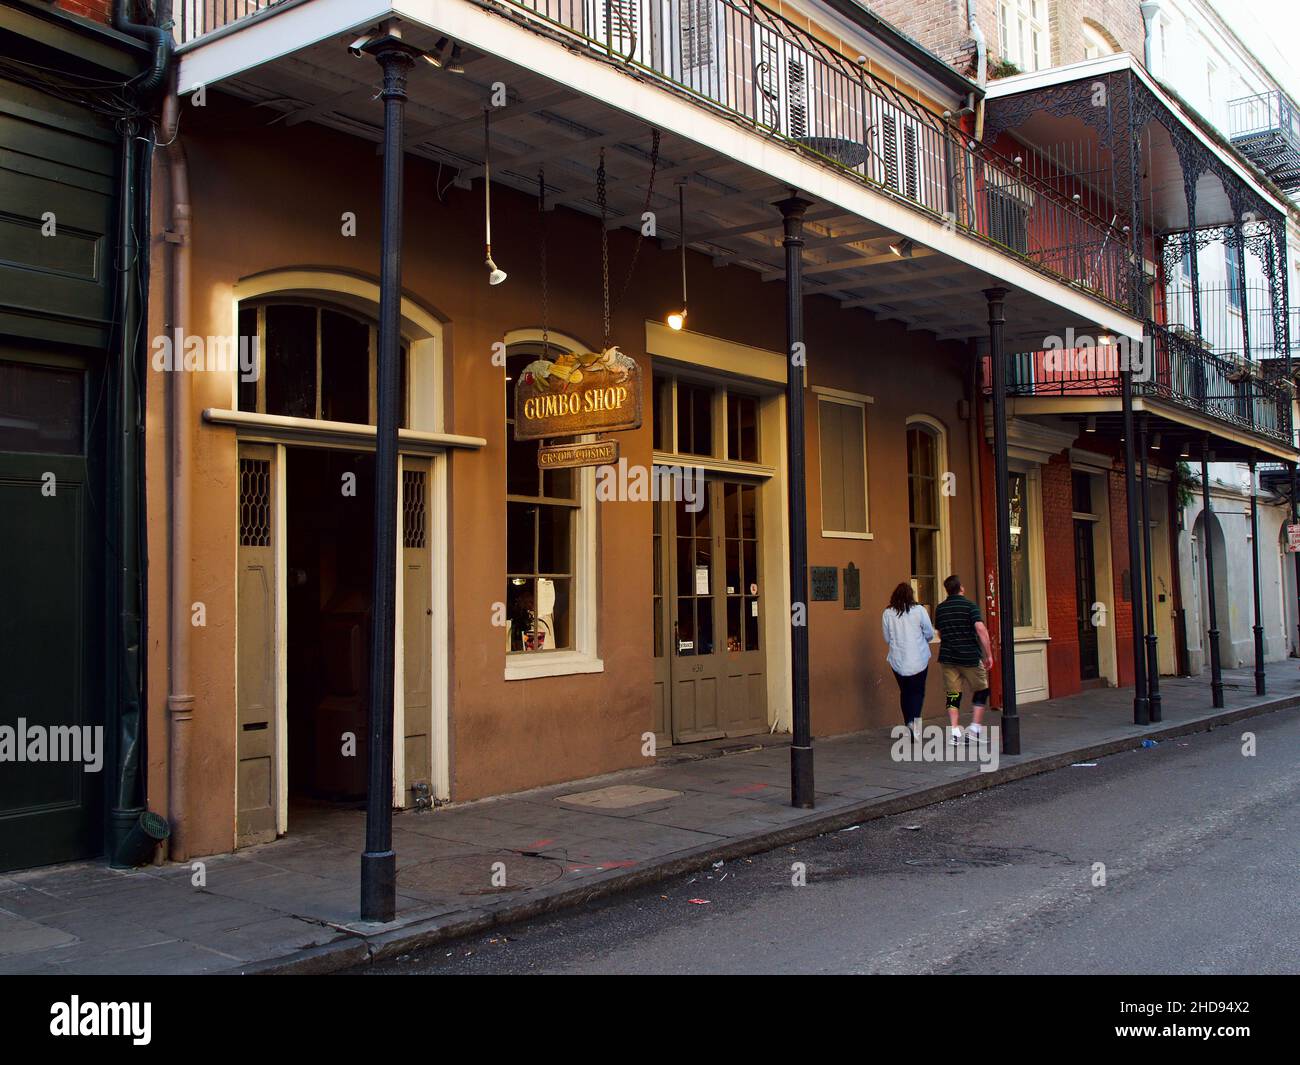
(354, 949)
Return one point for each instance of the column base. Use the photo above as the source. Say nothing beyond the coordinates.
(801, 777)
(379, 886)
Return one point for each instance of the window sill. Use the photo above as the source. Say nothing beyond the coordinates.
(551, 664)
(847, 535)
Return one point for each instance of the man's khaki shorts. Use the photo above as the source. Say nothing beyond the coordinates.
(976, 676)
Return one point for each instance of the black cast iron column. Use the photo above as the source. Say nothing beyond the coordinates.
(1254, 572)
(1153, 661)
(1002, 524)
(801, 751)
(379, 862)
(1141, 706)
(1295, 517)
(1216, 674)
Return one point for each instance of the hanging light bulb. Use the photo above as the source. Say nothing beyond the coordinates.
(454, 65)
(1155, 442)
(677, 319)
(1091, 425)
(495, 274)
(903, 247)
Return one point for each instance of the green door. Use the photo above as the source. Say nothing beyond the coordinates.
(51, 801)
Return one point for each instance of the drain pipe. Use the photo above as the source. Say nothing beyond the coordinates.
(1149, 12)
(159, 36)
(981, 65)
(180, 699)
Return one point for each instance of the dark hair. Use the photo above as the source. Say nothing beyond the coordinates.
(903, 598)
(952, 585)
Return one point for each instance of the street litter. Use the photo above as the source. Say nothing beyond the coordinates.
(1081, 765)
(1150, 743)
(698, 902)
(851, 828)
(913, 828)
(717, 865)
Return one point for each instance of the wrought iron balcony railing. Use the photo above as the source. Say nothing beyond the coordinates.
(1172, 367)
(747, 62)
(1266, 129)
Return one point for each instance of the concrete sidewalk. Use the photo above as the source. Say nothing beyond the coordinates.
(291, 905)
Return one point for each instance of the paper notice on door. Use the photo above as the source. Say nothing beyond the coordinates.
(701, 580)
(753, 607)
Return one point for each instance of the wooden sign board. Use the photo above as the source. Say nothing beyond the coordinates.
(568, 456)
(576, 394)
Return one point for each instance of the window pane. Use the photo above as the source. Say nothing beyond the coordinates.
(685, 626)
(1022, 599)
(694, 419)
(521, 519)
(751, 612)
(41, 409)
(248, 389)
(344, 368)
(742, 427)
(554, 539)
(735, 630)
(832, 465)
(662, 416)
(704, 625)
(291, 361)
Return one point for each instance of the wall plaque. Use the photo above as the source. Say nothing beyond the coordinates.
(852, 587)
(825, 584)
(567, 456)
(578, 393)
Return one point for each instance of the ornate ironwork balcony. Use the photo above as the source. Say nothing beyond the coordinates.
(1174, 367)
(1266, 129)
(747, 62)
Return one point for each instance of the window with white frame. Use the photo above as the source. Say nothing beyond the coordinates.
(1023, 33)
(926, 510)
(842, 435)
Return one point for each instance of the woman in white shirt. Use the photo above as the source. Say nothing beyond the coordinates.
(908, 633)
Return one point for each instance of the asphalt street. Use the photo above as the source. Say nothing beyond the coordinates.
(1180, 858)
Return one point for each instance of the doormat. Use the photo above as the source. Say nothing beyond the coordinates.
(618, 797)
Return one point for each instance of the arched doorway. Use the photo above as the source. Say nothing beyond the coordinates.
(1211, 543)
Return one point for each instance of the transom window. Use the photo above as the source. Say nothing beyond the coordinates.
(706, 420)
(317, 362)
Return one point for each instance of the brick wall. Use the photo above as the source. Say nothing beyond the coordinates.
(98, 10)
(940, 25)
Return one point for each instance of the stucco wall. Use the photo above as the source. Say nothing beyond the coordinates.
(271, 198)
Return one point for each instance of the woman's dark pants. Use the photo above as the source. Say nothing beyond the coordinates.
(911, 694)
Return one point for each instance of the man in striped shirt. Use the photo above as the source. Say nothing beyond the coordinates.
(965, 654)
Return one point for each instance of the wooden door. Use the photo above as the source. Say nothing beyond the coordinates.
(710, 676)
(52, 626)
(257, 749)
(1085, 596)
(417, 624)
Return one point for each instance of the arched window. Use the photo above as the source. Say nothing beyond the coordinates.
(317, 361)
(927, 507)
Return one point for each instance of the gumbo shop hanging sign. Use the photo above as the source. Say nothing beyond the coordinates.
(575, 394)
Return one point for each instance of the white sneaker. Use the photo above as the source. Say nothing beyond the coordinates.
(955, 736)
(974, 733)
(915, 726)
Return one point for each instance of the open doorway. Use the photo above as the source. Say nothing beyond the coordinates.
(329, 537)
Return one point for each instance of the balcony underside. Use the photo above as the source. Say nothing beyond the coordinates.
(733, 173)
(1276, 153)
(1177, 425)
